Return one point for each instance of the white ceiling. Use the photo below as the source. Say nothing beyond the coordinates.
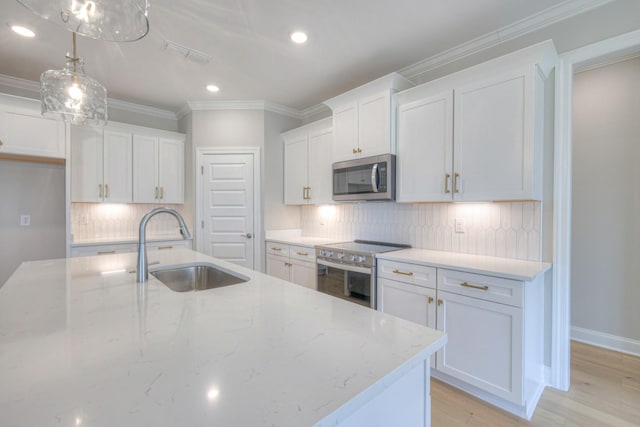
(350, 42)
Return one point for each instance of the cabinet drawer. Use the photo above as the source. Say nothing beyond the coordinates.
(415, 274)
(302, 253)
(93, 250)
(160, 246)
(278, 249)
(504, 291)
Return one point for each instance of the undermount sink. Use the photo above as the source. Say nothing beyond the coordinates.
(197, 277)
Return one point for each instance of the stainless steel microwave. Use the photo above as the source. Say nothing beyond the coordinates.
(369, 178)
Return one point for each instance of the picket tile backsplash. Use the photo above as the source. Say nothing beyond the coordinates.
(506, 229)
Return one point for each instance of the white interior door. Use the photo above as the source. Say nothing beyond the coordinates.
(228, 216)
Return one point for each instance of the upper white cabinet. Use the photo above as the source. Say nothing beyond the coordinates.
(307, 164)
(101, 168)
(158, 165)
(363, 123)
(23, 130)
(125, 164)
(478, 134)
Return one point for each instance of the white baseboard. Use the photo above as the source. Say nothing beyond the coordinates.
(611, 342)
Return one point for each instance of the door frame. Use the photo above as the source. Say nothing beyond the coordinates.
(570, 62)
(257, 196)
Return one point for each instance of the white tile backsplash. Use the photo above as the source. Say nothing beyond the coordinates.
(105, 221)
(506, 229)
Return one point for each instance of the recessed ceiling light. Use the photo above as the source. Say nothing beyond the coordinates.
(213, 88)
(299, 37)
(23, 31)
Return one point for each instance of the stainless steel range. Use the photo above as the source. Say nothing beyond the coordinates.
(348, 270)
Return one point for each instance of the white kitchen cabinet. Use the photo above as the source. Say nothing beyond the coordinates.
(307, 164)
(479, 134)
(363, 119)
(158, 165)
(495, 341)
(24, 131)
(293, 263)
(101, 166)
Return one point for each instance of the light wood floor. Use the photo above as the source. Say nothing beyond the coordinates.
(605, 391)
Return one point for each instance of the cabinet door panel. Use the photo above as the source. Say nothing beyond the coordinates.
(303, 273)
(493, 139)
(484, 345)
(145, 169)
(409, 302)
(171, 171)
(295, 172)
(277, 266)
(320, 160)
(374, 125)
(86, 164)
(118, 166)
(28, 133)
(345, 128)
(425, 149)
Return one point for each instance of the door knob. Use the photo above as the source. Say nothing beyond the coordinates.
(248, 235)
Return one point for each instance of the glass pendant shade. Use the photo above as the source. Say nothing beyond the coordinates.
(112, 20)
(72, 95)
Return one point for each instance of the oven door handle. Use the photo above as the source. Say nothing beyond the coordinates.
(355, 269)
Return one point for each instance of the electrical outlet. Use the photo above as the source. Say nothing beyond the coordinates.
(25, 220)
(459, 224)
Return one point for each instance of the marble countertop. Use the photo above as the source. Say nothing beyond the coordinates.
(81, 344)
(304, 241)
(494, 266)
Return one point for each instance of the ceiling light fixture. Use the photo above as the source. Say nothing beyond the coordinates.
(72, 95)
(213, 88)
(23, 31)
(299, 37)
(112, 20)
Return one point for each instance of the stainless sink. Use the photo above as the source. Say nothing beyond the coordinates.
(196, 278)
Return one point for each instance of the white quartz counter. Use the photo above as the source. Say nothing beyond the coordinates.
(493, 266)
(81, 344)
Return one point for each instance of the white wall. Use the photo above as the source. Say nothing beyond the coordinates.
(277, 215)
(37, 190)
(605, 267)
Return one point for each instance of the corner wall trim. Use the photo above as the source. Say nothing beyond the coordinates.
(608, 341)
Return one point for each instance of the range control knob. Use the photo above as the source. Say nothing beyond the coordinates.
(361, 258)
(340, 255)
(352, 258)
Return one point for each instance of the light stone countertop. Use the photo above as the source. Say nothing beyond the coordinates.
(493, 266)
(82, 344)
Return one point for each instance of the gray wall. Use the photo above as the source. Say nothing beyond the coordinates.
(606, 200)
(37, 190)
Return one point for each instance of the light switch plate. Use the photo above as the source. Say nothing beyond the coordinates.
(25, 220)
(459, 224)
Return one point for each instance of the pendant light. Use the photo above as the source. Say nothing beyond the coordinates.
(72, 95)
(112, 20)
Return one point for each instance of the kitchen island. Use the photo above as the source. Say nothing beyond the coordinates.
(82, 344)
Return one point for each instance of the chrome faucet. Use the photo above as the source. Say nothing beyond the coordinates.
(143, 266)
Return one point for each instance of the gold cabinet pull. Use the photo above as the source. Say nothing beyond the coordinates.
(430, 300)
(302, 253)
(276, 249)
(1, 143)
(359, 150)
(161, 193)
(482, 288)
(162, 248)
(308, 193)
(355, 151)
(288, 264)
(156, 192)
(100, 190)
(456, 176)
(446, 183)
(106, 191)
(439, 302)
(405, 273)
(106, 252)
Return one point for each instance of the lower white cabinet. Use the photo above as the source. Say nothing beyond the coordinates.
(126, 247)
(494, 327)
(293, 263)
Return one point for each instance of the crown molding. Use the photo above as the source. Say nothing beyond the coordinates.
(240, 105)
(34, 87)
(545, 18)
(314, 110)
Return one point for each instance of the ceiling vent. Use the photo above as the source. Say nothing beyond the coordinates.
(187, 52)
